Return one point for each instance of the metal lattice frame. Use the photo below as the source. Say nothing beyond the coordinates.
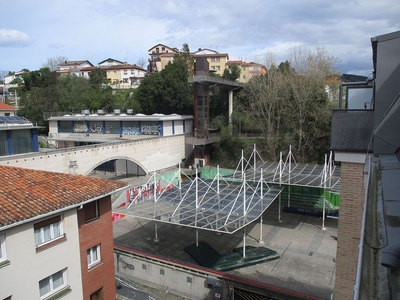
(227, 204)
(221, 205)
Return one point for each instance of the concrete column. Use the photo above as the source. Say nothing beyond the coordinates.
(230, 106)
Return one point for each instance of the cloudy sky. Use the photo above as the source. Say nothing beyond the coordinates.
(33, 31)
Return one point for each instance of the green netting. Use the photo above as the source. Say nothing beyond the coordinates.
(210, 172)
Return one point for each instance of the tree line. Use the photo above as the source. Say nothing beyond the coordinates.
(288, 105)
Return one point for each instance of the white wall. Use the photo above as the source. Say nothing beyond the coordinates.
(151, 153)
(175, 279)
(167, 128)
(21, 277)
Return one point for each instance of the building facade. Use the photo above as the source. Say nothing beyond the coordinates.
(17, 135)
(365, 139)
(79, 130)
(159, 56)
(125, 76)
(47, 240)
(247, 69)
(216, 60)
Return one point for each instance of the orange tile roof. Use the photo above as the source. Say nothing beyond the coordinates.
(4, 106)
(26, 193)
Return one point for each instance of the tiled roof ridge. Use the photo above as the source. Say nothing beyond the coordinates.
(28, 193)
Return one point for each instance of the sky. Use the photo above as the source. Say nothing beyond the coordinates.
(31, 32)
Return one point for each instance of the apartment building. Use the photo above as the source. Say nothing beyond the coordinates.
(247, 69)
(74, 67)
(56, 236)
(216, 60)
(125, 75)
(159, 56)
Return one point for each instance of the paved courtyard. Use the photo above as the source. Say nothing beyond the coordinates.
(307, 252)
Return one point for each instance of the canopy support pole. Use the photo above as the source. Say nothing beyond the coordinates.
(244, 242)
(156, 232)
(323, 204)
(261, 241)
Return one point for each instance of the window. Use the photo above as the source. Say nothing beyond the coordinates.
(125, 72)
(218, 59)
(48, 230)
(91, 211)
(162, 272)
(189, 279)
(3, 256)
(132, 71)
(218, 67)
(97, 295)
(93, 255)
(144, 267)
(212, 59)
(53, 283)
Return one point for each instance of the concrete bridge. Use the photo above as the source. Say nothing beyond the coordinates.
(137, 156)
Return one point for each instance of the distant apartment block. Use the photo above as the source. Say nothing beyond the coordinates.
(216, 60)
(247, 69)
(159, 56)
(119, 74)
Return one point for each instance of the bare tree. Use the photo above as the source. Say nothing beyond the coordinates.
(289, 105)
(307, 79)
(3, 74)
(142, 62)
(53, 62)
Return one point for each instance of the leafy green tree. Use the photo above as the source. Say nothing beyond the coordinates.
(185, 56)
(167, 91)
(233, 73)
(98, 77)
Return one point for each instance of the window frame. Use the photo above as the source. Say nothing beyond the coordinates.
(40, 228)
(90, 253)
(3, 253)
(90, 219)
(51, 281)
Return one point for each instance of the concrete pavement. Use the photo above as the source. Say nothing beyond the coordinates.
(307, 252)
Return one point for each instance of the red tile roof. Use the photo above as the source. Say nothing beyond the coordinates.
(4, 106)
(25, 193)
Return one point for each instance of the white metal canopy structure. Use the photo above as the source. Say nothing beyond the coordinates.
(226, 204)
(221, 205)
(289, 172)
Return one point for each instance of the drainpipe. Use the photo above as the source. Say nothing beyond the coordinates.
(356, 290)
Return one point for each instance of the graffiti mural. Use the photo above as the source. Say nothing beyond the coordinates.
(140, 194)
(96, 128)
(130, 130)
(151, 129)
(109, 128)
(80, 127)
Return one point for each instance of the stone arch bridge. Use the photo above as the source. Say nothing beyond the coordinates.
(139, 156)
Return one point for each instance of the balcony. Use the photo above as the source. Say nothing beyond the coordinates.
(352, 124)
